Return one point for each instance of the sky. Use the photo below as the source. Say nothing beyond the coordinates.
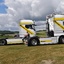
(11, 11)
(2, 7)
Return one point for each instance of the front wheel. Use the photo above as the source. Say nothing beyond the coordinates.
(33, 41)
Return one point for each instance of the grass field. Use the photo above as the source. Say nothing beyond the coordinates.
(43, 54)
(21, 54)
(41, 33)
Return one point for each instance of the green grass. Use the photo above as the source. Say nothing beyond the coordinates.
(41, 33)
(21, 54)
(1, 37)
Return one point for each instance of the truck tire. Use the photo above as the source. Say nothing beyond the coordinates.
(61, 40)
(3, 42)
(33, 41)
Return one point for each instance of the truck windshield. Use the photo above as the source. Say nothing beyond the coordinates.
(30, 27)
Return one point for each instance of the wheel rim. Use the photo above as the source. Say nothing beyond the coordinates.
(34, 42)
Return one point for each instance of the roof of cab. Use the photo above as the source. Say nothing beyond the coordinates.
(23, 22)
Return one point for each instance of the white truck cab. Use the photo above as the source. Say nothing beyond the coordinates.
(55, 25)
(27, 26)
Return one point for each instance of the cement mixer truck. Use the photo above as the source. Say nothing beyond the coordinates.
(54, 31)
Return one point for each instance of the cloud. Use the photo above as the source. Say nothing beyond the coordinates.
(6, 23)
(28, 9)
(60, 8)
(40, 25)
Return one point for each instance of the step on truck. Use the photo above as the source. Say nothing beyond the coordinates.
(27, 32)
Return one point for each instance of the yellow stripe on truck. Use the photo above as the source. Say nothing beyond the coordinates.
(46, 41)
(59, 24)
(26, 23)
(57, 19)
(30, 32)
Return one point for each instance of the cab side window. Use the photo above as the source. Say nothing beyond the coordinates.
(28, 26)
